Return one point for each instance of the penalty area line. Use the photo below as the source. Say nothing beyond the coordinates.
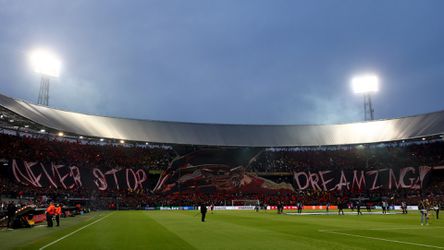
(66, 236)
(382, 239)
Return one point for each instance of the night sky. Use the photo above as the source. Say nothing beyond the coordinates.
(240, 61)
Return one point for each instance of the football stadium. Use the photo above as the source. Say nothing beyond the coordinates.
(221, 124)
(125, 183)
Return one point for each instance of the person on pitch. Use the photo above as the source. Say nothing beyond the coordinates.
(58, 213)
(384, 207)
(299, 206)
(50, 211)
(256, 208)
(437, 207)
(340, 205)
(351, 206)
(279, 207)
(423, 208)
(358, 207)
(404, 207)
(11, 213)
(203, 211)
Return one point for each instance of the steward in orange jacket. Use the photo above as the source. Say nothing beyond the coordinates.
(58, 213)
(50, 211)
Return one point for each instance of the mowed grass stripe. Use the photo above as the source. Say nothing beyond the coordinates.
(219, 234)
(75, 231)
(403, 228)
(305, 229)
(387, 240)
(32, 238)
(124, 230)
(301, 232)
(399, 227)
(230, 230)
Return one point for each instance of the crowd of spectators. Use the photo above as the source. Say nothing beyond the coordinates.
(362, 157)
(80, 153)
(283, 160)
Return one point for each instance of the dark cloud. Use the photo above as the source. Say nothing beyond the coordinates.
(228, 61)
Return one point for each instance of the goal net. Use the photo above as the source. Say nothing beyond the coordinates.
(245, 202)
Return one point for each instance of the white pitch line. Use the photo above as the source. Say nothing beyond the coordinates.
(385, 229)
(66, 236)
(387, 240)
(404, 228)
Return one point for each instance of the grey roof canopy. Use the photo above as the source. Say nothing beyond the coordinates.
(225, 134)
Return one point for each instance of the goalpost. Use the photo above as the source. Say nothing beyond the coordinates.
(245, 203)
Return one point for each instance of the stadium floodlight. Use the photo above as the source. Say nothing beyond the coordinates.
(48, 66)
(45, 62)
(366, 84)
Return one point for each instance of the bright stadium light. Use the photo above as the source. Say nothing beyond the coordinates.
(48, 65)
(365, 85)
(45, 62)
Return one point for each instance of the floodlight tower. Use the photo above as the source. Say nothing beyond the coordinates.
(48, 66)
(366, 84)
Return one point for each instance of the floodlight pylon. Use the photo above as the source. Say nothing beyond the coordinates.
(44, 91)
(368, 108)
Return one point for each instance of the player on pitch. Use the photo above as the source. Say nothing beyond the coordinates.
(203, 211)
(424, 207)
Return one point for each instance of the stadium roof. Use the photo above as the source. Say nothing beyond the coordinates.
(226, 134)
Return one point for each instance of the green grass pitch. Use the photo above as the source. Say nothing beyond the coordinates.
(229, 230)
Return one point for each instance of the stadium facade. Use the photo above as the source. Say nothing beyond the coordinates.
(413, 127)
